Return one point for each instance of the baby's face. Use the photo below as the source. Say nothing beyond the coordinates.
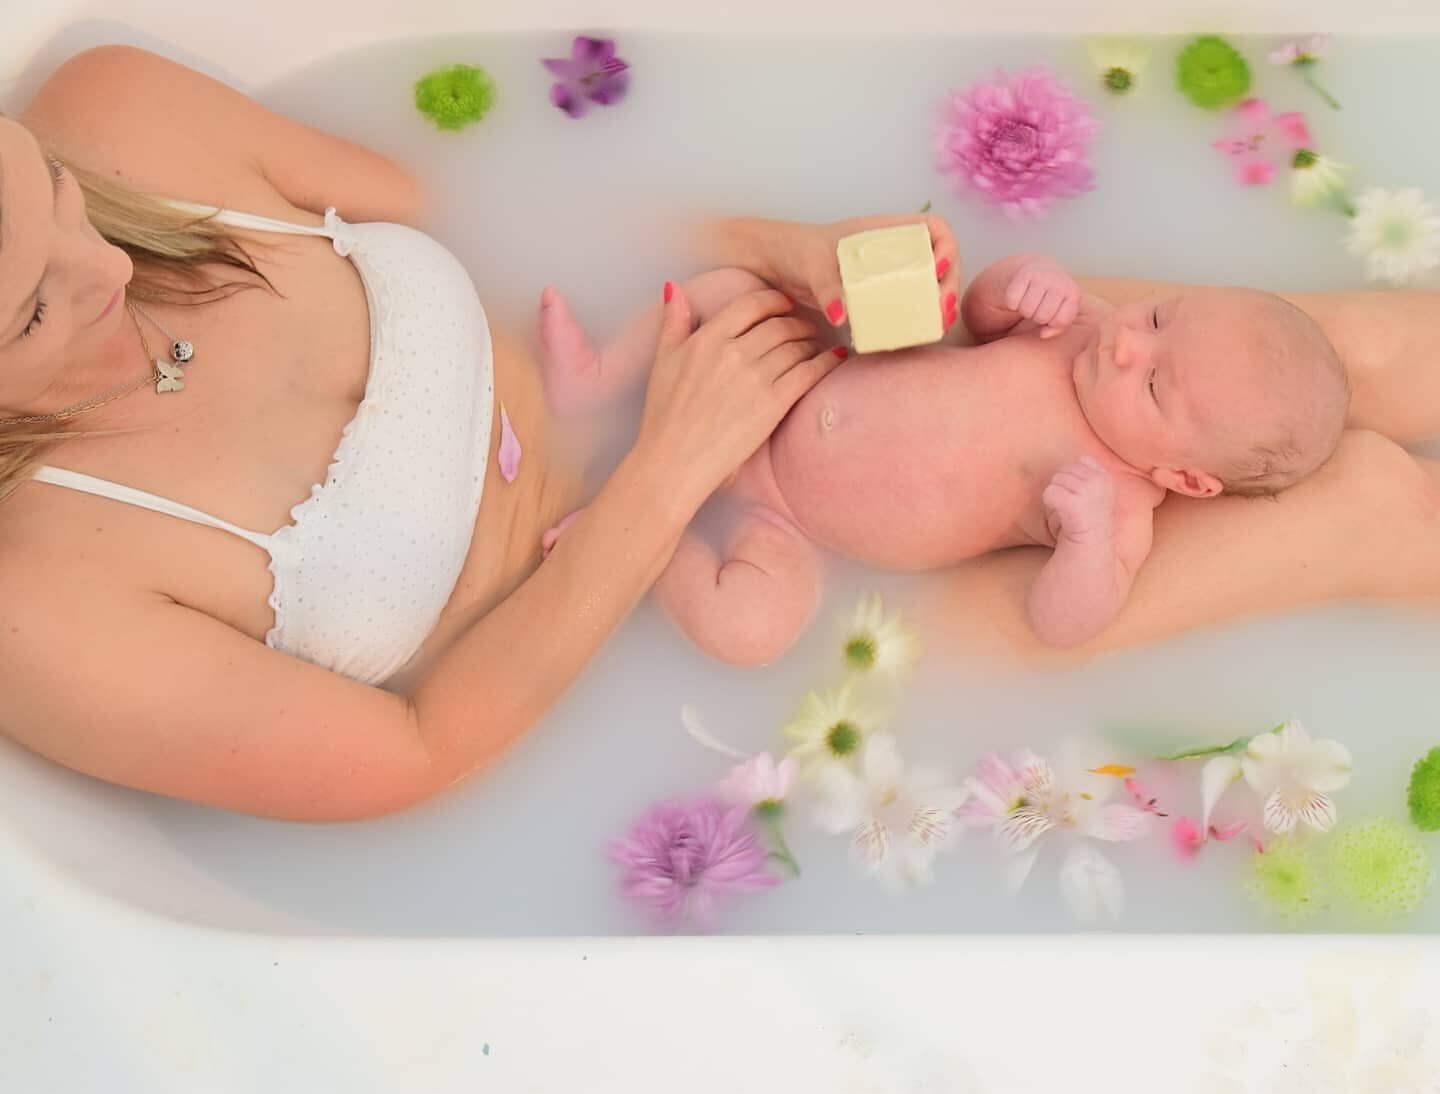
(1169, 383)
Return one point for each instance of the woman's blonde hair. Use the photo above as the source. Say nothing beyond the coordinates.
(171, 250)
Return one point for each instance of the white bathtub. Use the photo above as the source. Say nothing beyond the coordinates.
(126, 965)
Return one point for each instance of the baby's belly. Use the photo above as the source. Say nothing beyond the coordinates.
(901, 476)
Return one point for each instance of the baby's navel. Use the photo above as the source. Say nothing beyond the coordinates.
(827, 419)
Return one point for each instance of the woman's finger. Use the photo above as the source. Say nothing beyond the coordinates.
(786, 356)
(745, 312)
(792, 384)
(764, 337)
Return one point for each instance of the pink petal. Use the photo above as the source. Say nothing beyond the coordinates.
(1227, 831)
(509, 448)
(1254, 115)
(1186, 837)
(1293, 128)
(1256, 172)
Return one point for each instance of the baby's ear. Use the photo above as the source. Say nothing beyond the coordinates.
(1184, 480)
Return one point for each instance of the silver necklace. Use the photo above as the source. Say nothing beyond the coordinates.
(171, 374)
(167, 376)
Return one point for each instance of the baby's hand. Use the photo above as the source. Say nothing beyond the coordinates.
(1080, 503)
(1045, 293)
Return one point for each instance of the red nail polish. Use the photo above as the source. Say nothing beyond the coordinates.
(841, 352)
(835, 312)
(669, 290)
(942, 267)
(949, 301)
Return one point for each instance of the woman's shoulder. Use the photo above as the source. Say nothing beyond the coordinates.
(151, 124)
(167, 129)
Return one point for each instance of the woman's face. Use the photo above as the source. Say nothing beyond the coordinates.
(61, 284)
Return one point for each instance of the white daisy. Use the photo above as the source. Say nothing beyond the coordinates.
(1120, 62)
(1397, 232)
(831, 727)
(1315, 178)
(874, 644)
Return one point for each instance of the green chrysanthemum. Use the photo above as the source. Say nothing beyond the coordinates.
(1286, 880)
(1212, 74)
(1424, 794)
(455, 96)
(1379, 866)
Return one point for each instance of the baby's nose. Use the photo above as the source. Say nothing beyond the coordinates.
(1131, 348)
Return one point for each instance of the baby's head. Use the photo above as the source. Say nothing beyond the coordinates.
(1213, 391)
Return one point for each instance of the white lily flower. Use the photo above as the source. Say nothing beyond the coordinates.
(1397, 232)
(1293, 774)
(831, 727)
(874, 644)
(1026, 802)
(899, 820)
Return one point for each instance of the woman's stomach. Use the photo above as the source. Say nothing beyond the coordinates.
(505, 548)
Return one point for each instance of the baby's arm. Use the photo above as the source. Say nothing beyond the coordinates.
(1023, 287)
(1101, 540)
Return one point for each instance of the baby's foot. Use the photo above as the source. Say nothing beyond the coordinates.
(570, 364)
(552, 537)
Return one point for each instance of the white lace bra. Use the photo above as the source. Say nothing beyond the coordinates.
(372, 555)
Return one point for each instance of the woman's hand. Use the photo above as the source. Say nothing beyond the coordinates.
(800, 259)
(716, 394)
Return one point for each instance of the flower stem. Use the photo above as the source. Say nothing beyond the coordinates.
(1329, 98)
(781, 853)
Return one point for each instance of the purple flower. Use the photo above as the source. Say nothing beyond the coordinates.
(680, 859)
(1020, 142)
(591, 74)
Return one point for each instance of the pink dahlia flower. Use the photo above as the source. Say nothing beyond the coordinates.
(681, 859)
(1020, 142)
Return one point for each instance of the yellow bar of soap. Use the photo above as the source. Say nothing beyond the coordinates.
(888, 278)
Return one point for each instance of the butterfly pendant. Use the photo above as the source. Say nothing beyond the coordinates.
(172, 377)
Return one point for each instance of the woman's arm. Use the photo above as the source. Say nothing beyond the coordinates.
(167, 129)
(155, 695)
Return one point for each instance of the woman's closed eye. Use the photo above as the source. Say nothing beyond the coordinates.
(57, 174)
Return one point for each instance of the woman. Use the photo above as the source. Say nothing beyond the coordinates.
(134, 645)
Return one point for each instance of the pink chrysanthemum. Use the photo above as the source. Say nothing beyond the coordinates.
(680, 859)
(1021, 142)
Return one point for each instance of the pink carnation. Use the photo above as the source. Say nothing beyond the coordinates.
(1020, 142)
(680, 859)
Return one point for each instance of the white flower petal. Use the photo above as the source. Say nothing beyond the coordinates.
(1018, 869)
(1116, 823)
(690, 719)
(839, 800)
(1023, 827)
(1279, 817)
(1315, 810)
(1215, 779)
(871, 842)
(1326, 767)
(881, 764)
(1091, 885)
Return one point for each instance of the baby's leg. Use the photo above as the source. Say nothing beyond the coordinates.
(745, 605)
(579, 378)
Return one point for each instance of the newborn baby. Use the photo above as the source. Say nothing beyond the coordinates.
(1064, 427)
